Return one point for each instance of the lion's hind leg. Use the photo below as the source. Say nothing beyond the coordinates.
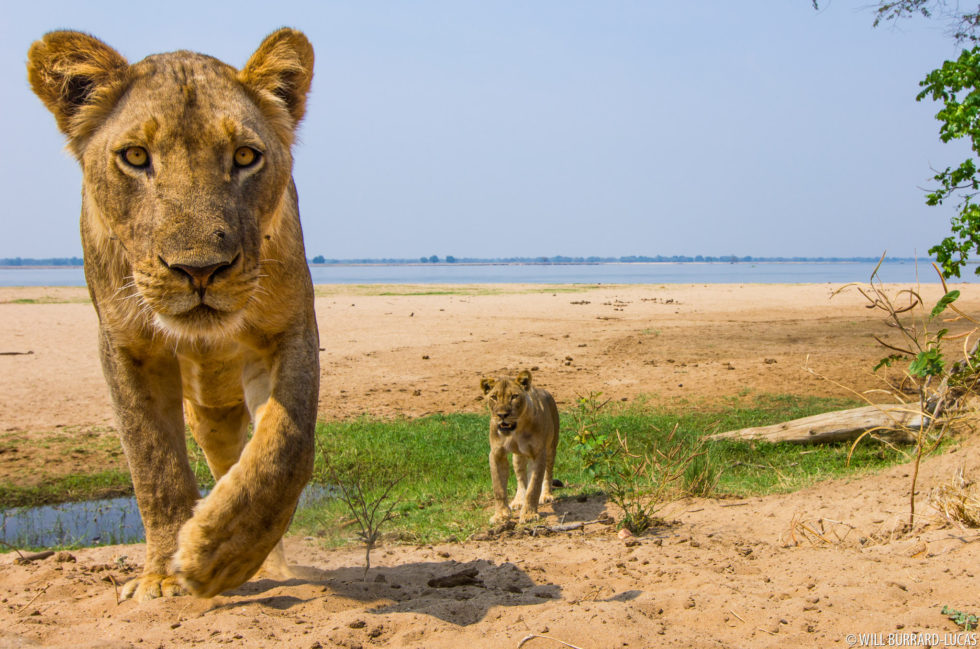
(220, 432)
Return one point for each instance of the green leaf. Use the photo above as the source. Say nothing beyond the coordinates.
(944, 302)
(888, 360)
(927, 363)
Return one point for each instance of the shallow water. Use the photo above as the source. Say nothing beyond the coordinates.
(94, 522)
(598, 273)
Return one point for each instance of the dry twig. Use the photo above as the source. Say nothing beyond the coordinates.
(533, 635)
(38, 594)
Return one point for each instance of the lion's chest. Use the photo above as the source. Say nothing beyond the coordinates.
(213, 378)
(520, 442)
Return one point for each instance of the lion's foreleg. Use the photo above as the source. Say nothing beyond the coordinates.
(498, 476)
(521, 474)
(245, 515)
(146, 395)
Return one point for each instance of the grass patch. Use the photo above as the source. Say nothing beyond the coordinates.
(52, 472)
(89, 486)
(446, 492)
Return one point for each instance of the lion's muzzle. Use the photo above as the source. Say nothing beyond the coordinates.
(201, 275)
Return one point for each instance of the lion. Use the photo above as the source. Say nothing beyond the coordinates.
(524, 422)
(195, 263)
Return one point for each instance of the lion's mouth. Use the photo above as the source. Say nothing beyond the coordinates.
(506, 426)
(202, 310)
(201, 320)
(201, 315)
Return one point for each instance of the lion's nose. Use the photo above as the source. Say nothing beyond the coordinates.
(201, 275)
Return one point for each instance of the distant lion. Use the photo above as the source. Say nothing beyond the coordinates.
(195, 263)
(523, 422)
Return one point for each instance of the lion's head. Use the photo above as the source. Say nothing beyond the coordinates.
(187, 167)
(507, 399)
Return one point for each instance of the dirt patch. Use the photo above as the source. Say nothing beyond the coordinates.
(722, 573)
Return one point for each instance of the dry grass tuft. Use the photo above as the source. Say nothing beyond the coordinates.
(957, 501)
(818, 532)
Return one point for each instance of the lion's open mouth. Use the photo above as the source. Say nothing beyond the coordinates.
(506, 426)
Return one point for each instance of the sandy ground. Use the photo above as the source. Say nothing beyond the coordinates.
(724, 573)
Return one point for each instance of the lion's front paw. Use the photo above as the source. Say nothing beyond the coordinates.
(209, 562)
(546, 498)
(529, 515)
(501, 517)
(150, 586)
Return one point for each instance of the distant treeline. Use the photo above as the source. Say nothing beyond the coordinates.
(561, 259)
(558, 259)
(30, 261)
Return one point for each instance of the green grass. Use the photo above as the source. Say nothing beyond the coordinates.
(104, 483)
(88, 486)
(445, 492)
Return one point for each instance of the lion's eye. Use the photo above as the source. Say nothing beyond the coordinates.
(136, 156)
(246, 156)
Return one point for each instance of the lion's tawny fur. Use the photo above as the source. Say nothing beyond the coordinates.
(195, 263)
(524, 423)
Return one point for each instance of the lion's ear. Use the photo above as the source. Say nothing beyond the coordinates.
(73, 72)
(524, 379)
(486, 384)
(282, 69)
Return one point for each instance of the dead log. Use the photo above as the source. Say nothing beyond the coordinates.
(895, 422)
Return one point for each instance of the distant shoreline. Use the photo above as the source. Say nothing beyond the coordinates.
(348, 263)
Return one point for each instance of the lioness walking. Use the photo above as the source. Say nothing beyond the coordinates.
(195, 263)
(524, 422)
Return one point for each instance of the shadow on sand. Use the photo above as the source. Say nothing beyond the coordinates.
(407, 589)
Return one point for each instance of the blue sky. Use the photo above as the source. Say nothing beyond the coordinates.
(547, 127)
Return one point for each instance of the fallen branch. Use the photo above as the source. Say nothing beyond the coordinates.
(568, 527)
(27, 558)
(892, 421)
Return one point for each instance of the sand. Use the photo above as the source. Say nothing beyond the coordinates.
(724, 573)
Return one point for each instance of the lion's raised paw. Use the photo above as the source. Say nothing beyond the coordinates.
(151, 586)
(217, 549)
(214, 570)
